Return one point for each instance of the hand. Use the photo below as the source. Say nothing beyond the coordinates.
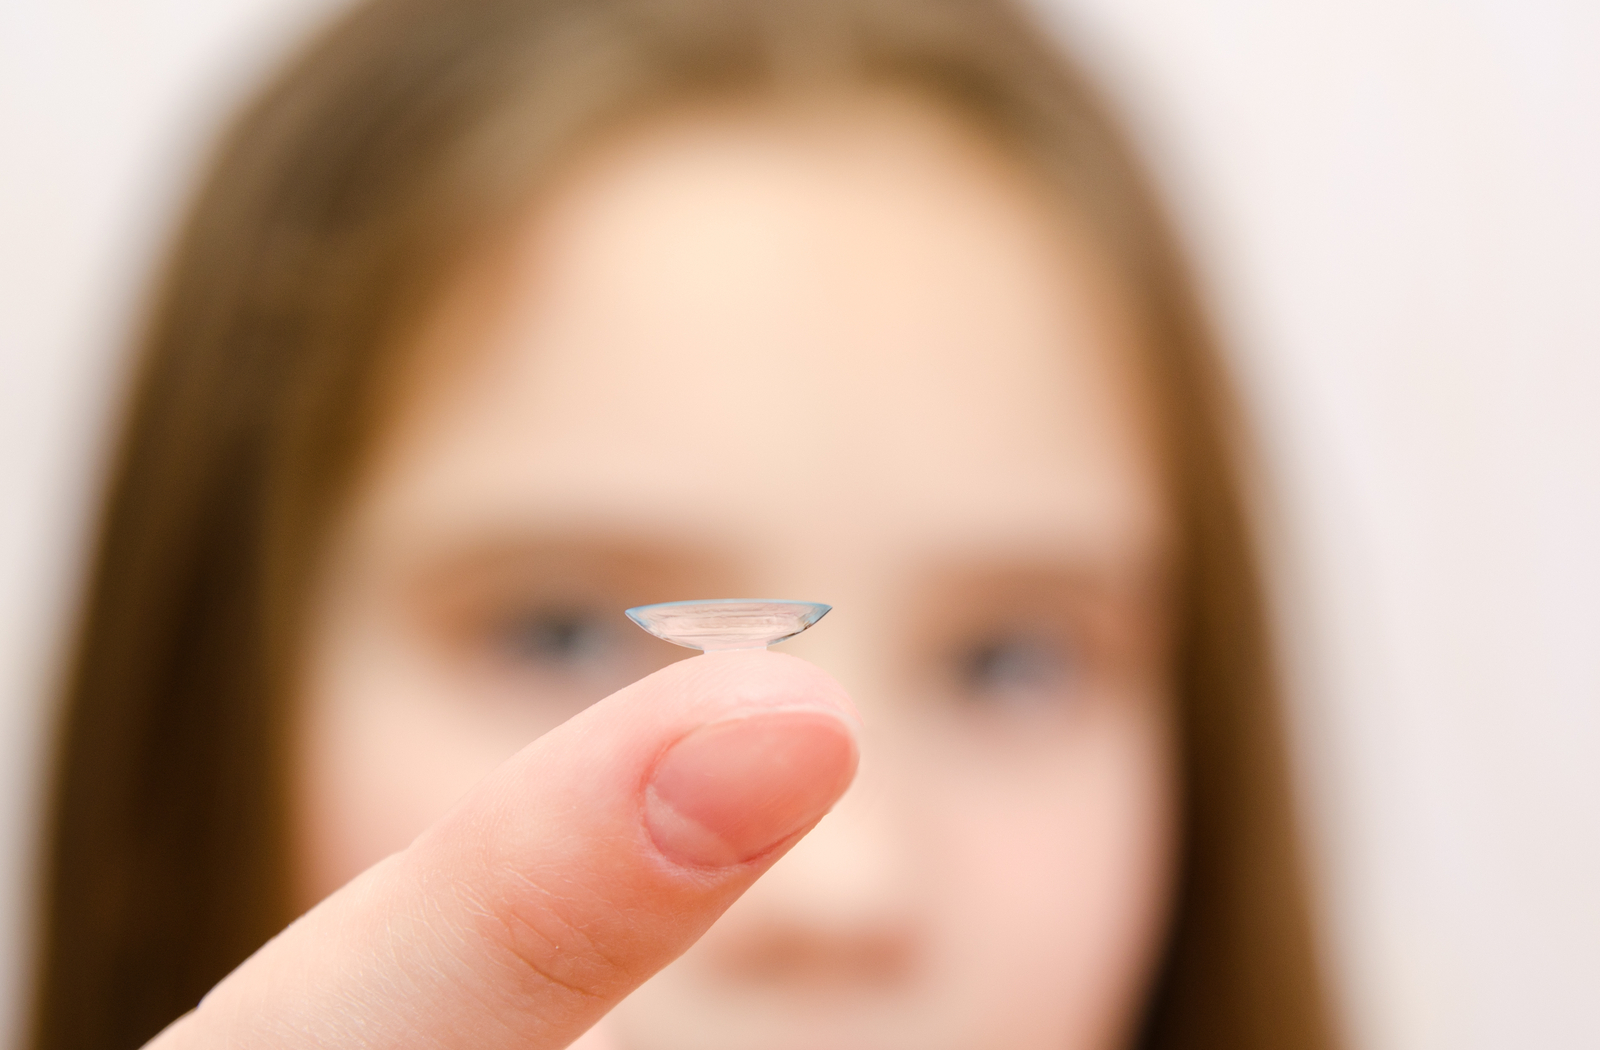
(565, 879)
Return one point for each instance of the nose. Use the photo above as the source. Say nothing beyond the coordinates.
(841, 909)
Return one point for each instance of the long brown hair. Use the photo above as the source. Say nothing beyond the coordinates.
(337, 202)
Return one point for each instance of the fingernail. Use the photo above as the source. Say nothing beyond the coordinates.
(730, 791)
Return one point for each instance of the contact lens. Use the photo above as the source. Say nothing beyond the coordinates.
(727, 624)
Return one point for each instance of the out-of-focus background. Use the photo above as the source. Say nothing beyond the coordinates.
(1395, 205)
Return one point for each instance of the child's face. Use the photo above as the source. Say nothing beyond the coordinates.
(843, 356)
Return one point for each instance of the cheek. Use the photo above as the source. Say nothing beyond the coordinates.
(1058, 870)
(375, 768)
(387, 740)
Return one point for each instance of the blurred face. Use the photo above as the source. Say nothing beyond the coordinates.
(844, 355)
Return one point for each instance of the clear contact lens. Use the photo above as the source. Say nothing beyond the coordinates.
(726, 624)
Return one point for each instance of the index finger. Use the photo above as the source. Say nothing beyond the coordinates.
(585, 864)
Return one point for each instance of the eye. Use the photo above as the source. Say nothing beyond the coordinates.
(1019, 674)
(571, 641)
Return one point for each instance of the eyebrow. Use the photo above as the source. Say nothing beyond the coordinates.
(560, 558)
(1137, 581)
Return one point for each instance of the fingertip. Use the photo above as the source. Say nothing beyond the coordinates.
(758, 679)
(734, 790)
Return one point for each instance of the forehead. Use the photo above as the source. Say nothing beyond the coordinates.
(775, 328)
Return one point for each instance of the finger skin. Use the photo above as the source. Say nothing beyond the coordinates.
(561, 882)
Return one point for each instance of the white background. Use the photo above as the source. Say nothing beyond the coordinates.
(1396, 208)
